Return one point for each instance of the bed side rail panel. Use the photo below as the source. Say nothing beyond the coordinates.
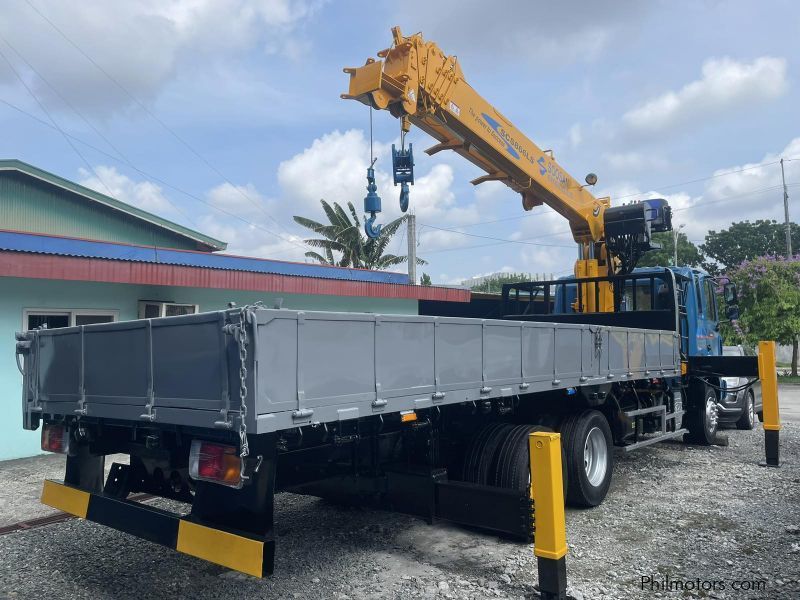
(170, 370)
(317, 367)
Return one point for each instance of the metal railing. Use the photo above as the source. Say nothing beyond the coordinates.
(632, 292)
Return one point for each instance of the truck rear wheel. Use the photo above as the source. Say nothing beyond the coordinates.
(499, 456)
(587, 442)
(513, 463)
(479, 457)
(704, 418)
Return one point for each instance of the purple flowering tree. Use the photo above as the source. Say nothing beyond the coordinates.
(769, 299)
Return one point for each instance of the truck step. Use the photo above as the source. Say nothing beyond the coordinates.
(654, 440)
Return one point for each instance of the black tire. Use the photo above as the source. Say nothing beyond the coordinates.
(481, 450)
(702, 423)
(488, 457)
(585, 433)
(512, 463)
(761, 416)
(748, 419)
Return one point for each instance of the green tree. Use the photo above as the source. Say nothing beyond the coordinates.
(343, 244)
(769, 298)
(425, 279)
(745, 241)
(495, 284)
(688, 254)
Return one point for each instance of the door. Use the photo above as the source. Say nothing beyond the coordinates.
(709, 342)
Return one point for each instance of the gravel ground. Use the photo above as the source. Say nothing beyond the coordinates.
(674, 511)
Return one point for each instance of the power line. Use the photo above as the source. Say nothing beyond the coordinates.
(716, 175)
(535, 237)
(148, 175)
(89, 123)
(486, 237)
(52, 120)
(548, 209)
(211, 166)
(144, 107)
(514, 218)
(500, 241)
(727, 198)
(488, 245)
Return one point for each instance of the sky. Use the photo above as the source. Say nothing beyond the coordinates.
(225, 115)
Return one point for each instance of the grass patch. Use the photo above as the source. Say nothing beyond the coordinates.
(789, 379)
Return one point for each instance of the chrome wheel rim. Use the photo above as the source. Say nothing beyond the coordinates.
(712, 413)
(595, 456)
(751, 409)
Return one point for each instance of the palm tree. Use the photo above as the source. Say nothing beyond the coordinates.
(344, 237)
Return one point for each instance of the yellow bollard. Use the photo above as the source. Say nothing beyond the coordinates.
(547, 491)
(768, 374)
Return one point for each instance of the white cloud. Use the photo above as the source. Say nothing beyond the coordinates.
(266, 233)
(736, 193)
(575, 135)
(753, 176)
(253, 233)
(243, 200)
(253, 240)
(142, 194)
(547, 261)
(635, 161)
(141, 43)
(537, 32)
(334, 168)
(726, 84)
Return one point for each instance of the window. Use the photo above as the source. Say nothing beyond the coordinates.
(151, 309)
(699, 293)
(709, 308)
(55, 318)
(643, 299)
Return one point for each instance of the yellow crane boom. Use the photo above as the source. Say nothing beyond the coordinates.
(419, 84)
(417, 81)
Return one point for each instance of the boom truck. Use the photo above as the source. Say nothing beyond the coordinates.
(426, 415)
(420, 85)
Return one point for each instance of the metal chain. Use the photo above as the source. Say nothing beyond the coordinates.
(242, 339)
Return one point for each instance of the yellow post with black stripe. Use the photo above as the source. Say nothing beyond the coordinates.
(768, 373)
(547, 491)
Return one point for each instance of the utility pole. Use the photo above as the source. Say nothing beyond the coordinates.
(412, 248)
(675, 234)
(674, 247)
(786, 214)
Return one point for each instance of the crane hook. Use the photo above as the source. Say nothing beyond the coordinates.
(403, 170)
(404, 194)
(372, 204)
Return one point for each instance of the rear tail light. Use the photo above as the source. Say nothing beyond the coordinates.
(55, 438)
(215, 462)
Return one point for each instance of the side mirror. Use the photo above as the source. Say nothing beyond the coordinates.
(729, 292)
(732, 312)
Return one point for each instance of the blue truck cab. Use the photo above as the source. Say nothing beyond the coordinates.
(680, 299)
(695, 294)
(698, 310)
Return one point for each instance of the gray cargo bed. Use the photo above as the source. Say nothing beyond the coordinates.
(310, 367)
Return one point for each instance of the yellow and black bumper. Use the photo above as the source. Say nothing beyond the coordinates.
(235, 551)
